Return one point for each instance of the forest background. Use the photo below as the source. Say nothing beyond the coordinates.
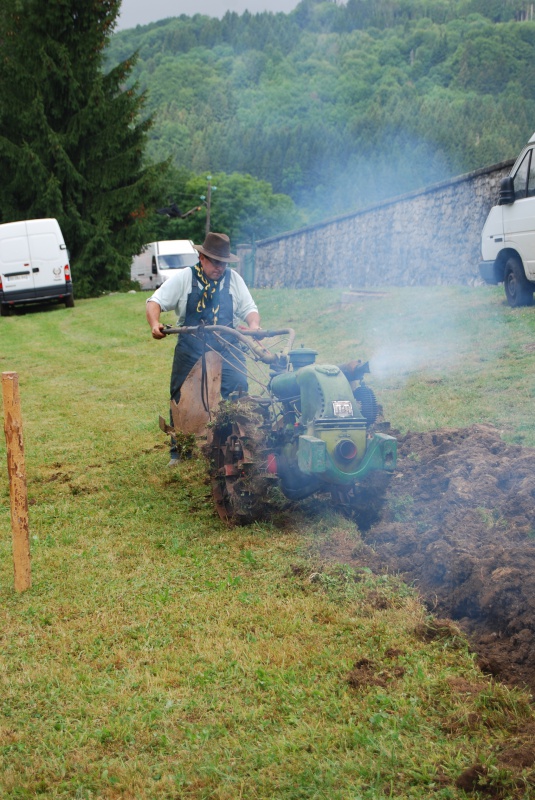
(330, 108)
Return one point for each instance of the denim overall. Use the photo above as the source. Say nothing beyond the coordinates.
(190, 347)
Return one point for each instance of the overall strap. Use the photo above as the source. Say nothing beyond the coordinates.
(197, 312)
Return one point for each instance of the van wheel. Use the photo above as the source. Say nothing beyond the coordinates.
(69, 301)
(5, 310)
(518, 290)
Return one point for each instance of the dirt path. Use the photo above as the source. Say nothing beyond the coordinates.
(457, 520)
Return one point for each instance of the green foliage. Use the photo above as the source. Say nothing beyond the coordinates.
(71, 137)
(242, 206)
(340, 105)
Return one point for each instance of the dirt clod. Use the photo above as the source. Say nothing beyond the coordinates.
(365, 674)
(470, 779)
(457, 520)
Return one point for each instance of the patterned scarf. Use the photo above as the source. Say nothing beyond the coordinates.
(209, 298)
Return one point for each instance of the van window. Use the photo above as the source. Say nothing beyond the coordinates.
(521, 177)
(177, 261)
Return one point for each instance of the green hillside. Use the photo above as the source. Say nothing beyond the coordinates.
(339, 106)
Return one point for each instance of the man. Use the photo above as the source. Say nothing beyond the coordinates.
(209, 294)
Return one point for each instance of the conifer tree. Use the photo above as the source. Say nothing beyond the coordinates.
(72, 138)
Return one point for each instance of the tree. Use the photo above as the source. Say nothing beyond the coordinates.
(72, 139)
(243, 207)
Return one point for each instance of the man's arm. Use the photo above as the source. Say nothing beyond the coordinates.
(253, 320)
(153, 312)
(244, 305)
(171, 296)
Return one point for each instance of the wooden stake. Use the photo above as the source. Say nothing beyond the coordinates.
(17, 481)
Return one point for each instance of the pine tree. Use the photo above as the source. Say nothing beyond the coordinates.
(72, 137)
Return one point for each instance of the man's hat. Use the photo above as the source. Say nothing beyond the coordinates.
(216, 246)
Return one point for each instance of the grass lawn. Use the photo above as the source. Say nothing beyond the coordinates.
(160, 654)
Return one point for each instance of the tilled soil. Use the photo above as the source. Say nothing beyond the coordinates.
(457, 521)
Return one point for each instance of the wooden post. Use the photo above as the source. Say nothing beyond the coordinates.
(17, 481)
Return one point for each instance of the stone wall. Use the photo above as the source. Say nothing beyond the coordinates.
(428, 237)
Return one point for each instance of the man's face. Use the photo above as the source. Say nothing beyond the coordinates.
(212, 269)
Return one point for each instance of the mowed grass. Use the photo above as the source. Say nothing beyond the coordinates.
(160, 654)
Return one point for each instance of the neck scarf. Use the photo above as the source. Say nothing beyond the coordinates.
(209, 298)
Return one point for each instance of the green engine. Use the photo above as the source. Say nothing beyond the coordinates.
(324, 438)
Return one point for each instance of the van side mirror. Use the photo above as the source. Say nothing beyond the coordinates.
(507, 191)
(154, 270)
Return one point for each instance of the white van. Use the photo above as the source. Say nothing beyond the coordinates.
(508, 237)
(157, 261)
(34, 264)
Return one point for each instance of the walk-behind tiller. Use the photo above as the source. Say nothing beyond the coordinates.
(311, 429)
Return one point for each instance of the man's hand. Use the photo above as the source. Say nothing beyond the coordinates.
(157, 331)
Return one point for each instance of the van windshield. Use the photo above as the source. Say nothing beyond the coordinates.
(177, 260)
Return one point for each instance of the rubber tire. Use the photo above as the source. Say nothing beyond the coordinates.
(518, 290)
(69, 301)
(5, 310)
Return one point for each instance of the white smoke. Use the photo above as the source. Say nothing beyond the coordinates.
(398, 361)
(426, 336)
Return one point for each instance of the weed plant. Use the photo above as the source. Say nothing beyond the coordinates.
(160, 654)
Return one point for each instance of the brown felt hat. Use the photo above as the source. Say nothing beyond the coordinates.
(216, 246)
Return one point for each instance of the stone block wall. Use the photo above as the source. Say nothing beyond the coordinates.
(429, 237)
